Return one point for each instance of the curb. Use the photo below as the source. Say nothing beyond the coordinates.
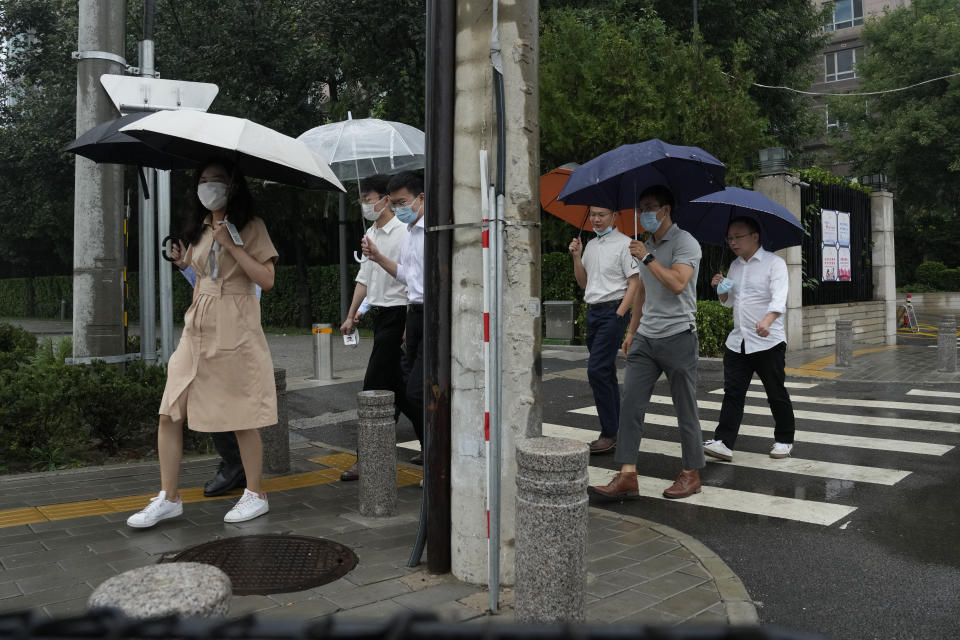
(741, 609)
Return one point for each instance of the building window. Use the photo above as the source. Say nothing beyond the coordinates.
(840, 65)
(846, 13)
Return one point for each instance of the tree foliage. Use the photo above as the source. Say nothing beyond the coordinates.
(661, 88)
(289, 64)
(775, 40)
(913, 135)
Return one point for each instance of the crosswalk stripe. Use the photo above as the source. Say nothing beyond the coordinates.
(933, 394)
(760, 504)
(800, 466)
(815, 437)
(852, 420)
(854, 402)
(789, 384)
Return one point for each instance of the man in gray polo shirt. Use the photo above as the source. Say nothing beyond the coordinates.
(666, 342)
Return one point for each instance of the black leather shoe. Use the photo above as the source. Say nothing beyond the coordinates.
(417, 459)
(351, 474)
(229, 476)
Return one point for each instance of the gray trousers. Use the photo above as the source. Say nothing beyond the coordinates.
(676, 356)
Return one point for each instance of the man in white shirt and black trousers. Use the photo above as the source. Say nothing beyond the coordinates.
(756, 288)
(385, 296)
(407, 200)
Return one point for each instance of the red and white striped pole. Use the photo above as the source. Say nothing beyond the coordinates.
(485, 237)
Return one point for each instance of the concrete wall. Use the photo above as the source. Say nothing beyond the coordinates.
(869, 323)
(934, 304)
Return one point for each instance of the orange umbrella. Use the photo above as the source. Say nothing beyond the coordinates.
(550, 186)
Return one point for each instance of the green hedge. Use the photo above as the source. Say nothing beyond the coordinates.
(928, 273)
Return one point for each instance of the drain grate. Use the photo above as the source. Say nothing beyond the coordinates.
(263, 564)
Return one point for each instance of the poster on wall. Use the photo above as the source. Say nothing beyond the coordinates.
(843, 229)
(835, 233)
(828, 227)
(829, 264)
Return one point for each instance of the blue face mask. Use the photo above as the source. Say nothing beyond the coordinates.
(648, 220)
(405, 214)
(600, 234)
(725, 286)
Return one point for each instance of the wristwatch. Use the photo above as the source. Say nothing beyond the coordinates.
(647, 259)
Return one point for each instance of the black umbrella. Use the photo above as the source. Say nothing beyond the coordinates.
(105, 143)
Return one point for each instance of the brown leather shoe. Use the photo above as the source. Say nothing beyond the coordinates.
(686, 484)
(351, 474)
(623, 485)
(603, 444)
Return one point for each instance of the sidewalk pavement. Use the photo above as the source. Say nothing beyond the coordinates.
(63, 533)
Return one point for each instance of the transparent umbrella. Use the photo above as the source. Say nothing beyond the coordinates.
(356, 149)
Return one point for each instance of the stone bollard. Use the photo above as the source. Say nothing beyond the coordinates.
(844, 343)
(174, 588)
(276, 437)
(947, 344)
(377, 453)
(551, 529)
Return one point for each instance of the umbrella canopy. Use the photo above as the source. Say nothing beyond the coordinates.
(356, 149)
(616, 178)
(708, 217)
(105, 143)
(552, 183)
(259, 151)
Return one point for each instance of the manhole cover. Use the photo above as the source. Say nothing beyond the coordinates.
(273, 563)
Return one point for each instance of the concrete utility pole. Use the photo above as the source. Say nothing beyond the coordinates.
(475, 129)
(98, 199)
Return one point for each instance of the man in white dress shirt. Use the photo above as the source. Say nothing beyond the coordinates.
(756, 288)
(386, 298)
(407, 200)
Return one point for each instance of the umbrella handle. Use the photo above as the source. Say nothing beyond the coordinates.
(359, 258)
(173, 240)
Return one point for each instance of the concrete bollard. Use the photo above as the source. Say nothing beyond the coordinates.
(947, 344)
(551, 529)
(323, 351)
(174, 588)
(377, 453)
(276, 437)
(844, 343)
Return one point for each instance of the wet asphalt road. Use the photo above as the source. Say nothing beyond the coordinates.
(891, 569)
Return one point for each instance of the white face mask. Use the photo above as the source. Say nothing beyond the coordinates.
(213, 195)
(369, 211)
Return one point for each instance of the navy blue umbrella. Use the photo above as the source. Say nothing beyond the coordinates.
(708, 217)
(616, 178)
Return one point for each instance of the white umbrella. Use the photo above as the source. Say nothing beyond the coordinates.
(259, 151)
(356, 149)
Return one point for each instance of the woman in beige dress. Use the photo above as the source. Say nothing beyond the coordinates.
(220, 378)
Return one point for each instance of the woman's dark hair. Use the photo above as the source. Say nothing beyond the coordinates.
(239, 201)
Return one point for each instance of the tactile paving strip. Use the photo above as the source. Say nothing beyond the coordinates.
(263, 564)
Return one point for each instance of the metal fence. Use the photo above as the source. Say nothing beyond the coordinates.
(814, 199)
(412, 626)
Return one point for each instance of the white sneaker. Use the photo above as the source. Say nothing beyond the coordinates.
(781, 450)
(159, 509)
(716, 449)
(249, 506)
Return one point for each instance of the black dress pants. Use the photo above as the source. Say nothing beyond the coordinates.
(225, 442)
(412, 366)
(738, 369)
(383, 369)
